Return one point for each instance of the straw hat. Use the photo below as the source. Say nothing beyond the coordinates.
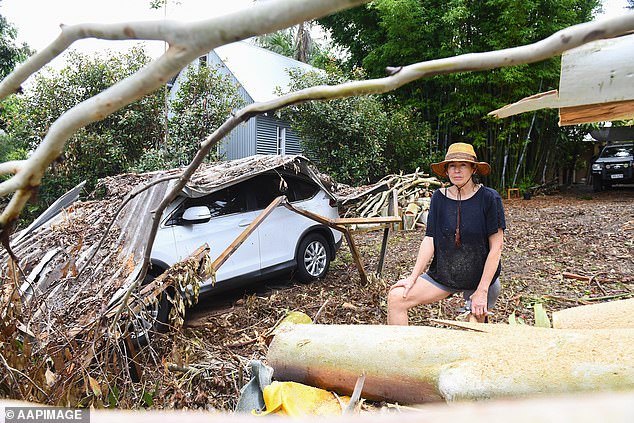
(460, 152)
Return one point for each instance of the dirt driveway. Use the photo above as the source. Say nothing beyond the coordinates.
(560, 250)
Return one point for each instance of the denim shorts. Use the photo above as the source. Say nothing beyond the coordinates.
(493, 294)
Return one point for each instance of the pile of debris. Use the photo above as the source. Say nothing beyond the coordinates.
(413, 192)
(69, 284)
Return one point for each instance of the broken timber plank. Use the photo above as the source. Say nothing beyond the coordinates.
(392, 210)
(366, 220)
(417, 364)
(331, 223)
(595, 85)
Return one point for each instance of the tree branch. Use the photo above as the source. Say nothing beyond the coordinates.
(187, 42)
(11, 167)
(556, 44)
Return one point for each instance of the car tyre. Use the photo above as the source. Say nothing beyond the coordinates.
(313, 258)
(597, 186)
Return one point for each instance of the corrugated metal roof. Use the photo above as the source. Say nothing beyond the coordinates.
(214, 176)
(258, 70)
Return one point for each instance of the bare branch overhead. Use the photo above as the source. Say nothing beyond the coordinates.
(187, 41)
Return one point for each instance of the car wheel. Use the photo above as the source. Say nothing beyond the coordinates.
(596, 184)
(313, 259)
(154, 318)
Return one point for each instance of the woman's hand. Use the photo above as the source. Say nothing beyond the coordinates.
(406, 283)
(479, 300)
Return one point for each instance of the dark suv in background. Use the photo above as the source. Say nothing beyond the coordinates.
(613, 166)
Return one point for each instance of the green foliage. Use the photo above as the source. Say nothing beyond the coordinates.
(205, 99)
(514, 321)
(280, 42)
(106, 147)
(399, 32)
(10, 53)
(296, 43)
(541, 317)
(356, 139)
(10, 56)
(130, 138)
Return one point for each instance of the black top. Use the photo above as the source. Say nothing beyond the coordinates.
(480, 216)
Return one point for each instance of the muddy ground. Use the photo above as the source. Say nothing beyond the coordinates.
(547, 237)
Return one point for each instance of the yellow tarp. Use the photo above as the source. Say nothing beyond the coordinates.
(297, 400)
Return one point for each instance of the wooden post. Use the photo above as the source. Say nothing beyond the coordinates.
(392, 210)
(339, 225)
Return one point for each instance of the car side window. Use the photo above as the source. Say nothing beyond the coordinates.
(301, 189)
(220, 203)
(267, 188)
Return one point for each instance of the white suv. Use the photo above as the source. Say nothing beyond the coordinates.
(284, 242)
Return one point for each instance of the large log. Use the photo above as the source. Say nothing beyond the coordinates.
(422, 364)
(613, 314)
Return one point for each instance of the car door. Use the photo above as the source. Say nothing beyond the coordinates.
(229, 218)
(279, 233)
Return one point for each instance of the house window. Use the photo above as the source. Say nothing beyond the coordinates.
(202, 60)
(281, 140)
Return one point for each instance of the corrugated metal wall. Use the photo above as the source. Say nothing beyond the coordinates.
(242, 140)
(257, 136)
(267, 136)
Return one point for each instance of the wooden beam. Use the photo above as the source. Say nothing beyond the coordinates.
(356, 256)
(392, 210)
(346, 232)
(597, 72)
(366, 220)
(224, 256)
(588, 113)
(547, 100)
(595, 85)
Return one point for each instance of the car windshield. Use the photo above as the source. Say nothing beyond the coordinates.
(618, 151)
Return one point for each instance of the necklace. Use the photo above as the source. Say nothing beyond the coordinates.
(457, 239)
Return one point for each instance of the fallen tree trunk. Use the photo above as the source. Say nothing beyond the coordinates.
(613, 314)
(422, 364)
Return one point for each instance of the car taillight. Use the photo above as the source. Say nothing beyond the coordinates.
(333, 202)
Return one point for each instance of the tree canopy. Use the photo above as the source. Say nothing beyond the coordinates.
(203, 101)
(388, 33)
(106, 147)
(355, 139)
(132, 138)
(10, 55)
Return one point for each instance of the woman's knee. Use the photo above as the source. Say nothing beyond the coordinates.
(395, 299)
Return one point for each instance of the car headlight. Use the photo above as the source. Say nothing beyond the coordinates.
(596, 166)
